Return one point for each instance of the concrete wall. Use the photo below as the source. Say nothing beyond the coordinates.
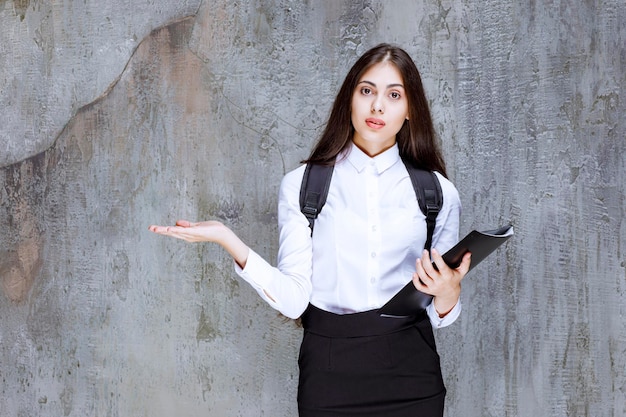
(116, 115)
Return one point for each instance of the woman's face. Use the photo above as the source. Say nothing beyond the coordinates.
(379, 108)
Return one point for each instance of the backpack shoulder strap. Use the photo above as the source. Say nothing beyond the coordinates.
(314, 189)
(316, 182)
(429, 197)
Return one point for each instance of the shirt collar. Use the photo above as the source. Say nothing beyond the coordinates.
(359, 159)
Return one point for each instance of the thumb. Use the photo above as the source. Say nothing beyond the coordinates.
(465, 264)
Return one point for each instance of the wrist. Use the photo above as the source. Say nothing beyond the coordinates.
(223, 235)
(234, 246)
(444, 305)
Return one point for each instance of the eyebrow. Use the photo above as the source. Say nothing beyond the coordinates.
(374, 85)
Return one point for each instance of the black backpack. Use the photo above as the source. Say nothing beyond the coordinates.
(316, 181)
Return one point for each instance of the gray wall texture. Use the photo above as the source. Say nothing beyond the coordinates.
(116, 115)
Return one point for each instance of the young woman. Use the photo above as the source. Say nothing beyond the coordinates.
(366, 246)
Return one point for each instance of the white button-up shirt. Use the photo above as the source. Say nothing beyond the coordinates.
(365, 242)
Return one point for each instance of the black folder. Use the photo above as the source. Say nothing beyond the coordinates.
(410, 301)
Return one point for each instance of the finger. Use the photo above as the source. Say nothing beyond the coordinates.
(184, 223)
(428, 265)
(465, 264)
(418, 264)
(156, 229)
(178, 232)
(421, 274)
(167, 230)
(440, 264)
(419, 268)
(419, 284)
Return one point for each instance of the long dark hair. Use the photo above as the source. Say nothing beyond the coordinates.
(416, 139)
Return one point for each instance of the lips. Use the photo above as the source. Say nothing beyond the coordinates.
(374, 123)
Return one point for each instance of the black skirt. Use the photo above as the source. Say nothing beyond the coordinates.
(366, 365)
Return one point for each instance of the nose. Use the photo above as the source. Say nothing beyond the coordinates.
(377, 106)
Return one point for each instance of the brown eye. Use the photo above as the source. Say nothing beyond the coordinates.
(366, 91)
(395, 95)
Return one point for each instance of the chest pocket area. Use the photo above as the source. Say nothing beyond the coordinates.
(403, 228)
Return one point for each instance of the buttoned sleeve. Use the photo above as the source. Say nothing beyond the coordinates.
(439, 322)
(286, 287)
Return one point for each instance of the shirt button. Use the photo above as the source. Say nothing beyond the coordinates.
(374, 228)
(372, 280)
(373, 254)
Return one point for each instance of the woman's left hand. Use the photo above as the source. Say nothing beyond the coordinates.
(443, 283)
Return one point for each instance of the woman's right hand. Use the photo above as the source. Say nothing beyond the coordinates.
(207, 231)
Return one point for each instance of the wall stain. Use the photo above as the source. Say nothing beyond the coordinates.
(21, 201)
(35, 190)
(21, 7)
(119, 274)
(206, 330)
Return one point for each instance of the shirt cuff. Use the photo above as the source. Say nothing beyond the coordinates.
(258, 273)
(448, 319)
